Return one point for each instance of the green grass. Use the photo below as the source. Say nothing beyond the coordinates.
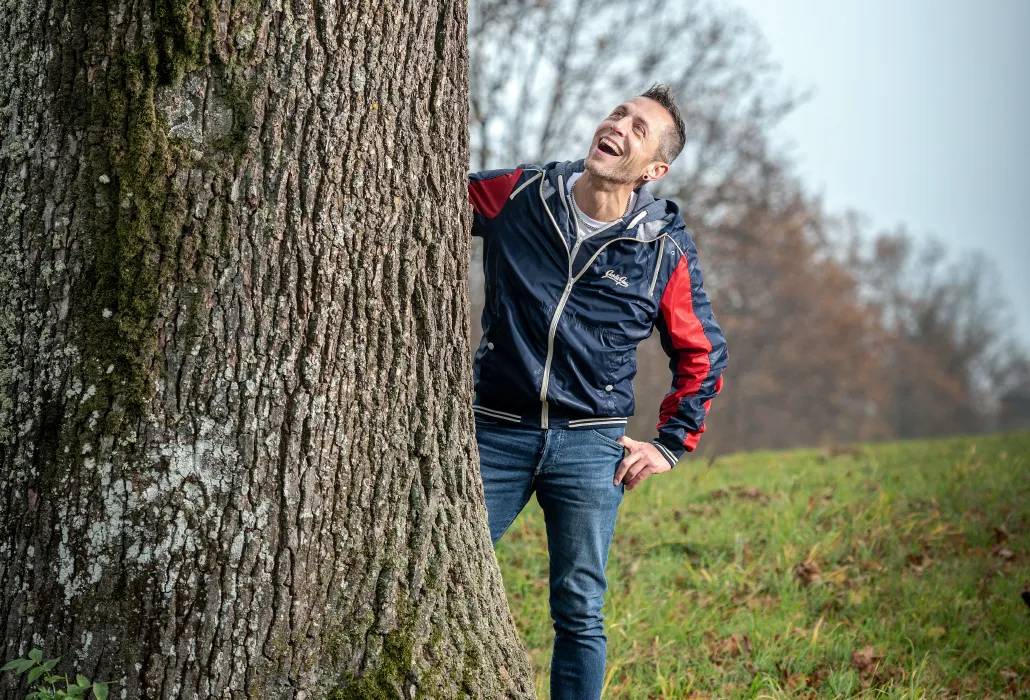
(921, 550)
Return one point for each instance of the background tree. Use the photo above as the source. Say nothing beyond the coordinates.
(947, 356)
(236, 448)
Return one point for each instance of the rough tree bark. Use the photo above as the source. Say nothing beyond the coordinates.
(236, 448)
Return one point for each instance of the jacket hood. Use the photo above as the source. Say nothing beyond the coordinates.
(649, 217)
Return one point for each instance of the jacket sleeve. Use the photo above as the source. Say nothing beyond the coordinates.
(488, 192)
(692, 339)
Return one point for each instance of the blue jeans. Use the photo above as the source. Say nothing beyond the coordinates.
(571, 472)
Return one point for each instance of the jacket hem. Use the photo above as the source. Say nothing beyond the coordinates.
(532, 419)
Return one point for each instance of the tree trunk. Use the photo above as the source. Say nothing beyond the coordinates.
(236, 444)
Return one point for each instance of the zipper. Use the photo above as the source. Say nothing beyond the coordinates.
(550, 351)
(657, 267)
(568, 286)
(551, 217)
(561, 302)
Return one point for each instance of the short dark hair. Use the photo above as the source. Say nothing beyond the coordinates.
(672, 139)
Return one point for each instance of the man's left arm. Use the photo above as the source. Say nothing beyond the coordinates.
(692, 339)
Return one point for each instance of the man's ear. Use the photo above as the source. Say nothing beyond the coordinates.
(656, 171)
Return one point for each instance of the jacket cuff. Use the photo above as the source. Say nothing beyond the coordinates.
(672, 455)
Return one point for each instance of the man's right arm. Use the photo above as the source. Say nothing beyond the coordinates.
(697, 352)
(488, 193)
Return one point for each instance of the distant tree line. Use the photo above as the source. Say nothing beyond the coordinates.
(836, 333)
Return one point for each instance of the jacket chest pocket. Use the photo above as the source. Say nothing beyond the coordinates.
(622, 285)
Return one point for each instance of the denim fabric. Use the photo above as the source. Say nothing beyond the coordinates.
(571, 472)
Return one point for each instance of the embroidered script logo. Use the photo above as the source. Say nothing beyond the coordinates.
(621, 281)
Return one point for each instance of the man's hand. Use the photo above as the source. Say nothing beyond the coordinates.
(643, 460)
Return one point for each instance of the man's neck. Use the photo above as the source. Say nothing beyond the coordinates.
(601, 199)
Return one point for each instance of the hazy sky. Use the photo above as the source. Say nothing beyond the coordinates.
(920, 115)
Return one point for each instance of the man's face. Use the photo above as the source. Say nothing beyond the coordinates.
(625, 145)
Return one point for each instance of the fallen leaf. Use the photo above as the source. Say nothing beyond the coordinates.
(807, 572)
(749, 493)
(734, 645)
(795, 680)
(1000, 534)
(1008, 674)
(936, 632)
(865, 660)
(820, 675)
(918, 562)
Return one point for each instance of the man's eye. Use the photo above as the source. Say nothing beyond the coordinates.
(639, 129)
(616, 114)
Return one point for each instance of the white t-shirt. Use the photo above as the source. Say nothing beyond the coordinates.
(587, 226)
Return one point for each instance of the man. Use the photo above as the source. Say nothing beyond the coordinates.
(581, 263)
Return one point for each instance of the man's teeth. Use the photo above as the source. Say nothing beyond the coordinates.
(611, 144)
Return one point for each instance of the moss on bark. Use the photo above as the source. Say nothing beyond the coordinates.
(137, 226)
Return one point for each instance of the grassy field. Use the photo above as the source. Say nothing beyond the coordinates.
(889, 571)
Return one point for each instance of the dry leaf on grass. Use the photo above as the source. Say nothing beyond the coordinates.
(728, 647)
(919, 562)
(865, 660)
(749, 493)
(795, 680)
(1004, 553)
(807, 572)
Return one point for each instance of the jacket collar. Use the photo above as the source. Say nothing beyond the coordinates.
(648, 219)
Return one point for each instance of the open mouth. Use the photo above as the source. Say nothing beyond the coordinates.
(608, 147)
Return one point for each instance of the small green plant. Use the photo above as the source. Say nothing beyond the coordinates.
(40, 671)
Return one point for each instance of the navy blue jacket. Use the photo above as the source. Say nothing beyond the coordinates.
(562, 322)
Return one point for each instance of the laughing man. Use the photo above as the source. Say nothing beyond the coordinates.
(581, 263)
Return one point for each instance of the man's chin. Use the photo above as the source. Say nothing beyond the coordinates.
(605, 171)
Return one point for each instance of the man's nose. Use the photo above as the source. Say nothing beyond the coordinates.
(619, 127)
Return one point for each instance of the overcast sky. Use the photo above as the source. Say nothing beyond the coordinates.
(920, 115)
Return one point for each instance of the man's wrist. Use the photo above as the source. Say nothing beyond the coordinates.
(666, 452)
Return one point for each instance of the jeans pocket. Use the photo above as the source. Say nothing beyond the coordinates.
(609, 436)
